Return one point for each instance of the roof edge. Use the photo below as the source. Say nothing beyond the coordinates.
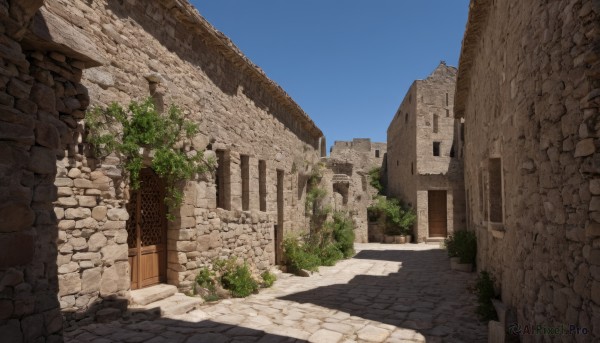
(240, 60)
(478, 15)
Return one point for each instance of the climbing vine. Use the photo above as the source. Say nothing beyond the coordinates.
(141, 127)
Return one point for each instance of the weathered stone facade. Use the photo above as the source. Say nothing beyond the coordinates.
(415, 165)
(64, 215)
(529, 93)
(349, 164)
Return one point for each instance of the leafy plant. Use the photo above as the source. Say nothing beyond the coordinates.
(205, 278)
(484, 288)
(300, 256)
(238, 279)
(450, 245)
(399, 217)
(464, 245)
(375, 179)
(141, 127)
(343, 234)
(268, 278)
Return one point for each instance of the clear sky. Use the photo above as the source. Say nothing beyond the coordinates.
(347, 63)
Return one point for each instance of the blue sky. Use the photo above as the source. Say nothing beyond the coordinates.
(347, 63)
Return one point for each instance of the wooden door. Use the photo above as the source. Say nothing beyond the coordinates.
(146, 231)
(437, 209)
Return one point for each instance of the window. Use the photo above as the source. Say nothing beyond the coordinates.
(245, 168)
(436, 120)
(377, 153)
(406, 118)
(436, 148)
(412, 168)
(447, 113)
(223, 180)
(495, 190)
(447, 100)
(262, 185)
(397, 163)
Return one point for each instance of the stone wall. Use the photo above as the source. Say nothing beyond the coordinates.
(41, 99)
(355, 194)
(529, 93)
(166, 50)
(424, 117)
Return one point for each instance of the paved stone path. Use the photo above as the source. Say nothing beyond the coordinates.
(386, 293)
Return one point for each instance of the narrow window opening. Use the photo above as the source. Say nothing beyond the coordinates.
(262, 185)
(495, 193)
(436, 120)
(377, 153)
(406, 118)
(447, 113)
(223, 180)
(412, 168)
(397, 163)
(436, 148)
(245, 168)
(447, 100)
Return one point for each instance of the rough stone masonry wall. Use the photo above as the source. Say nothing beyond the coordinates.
(412, 170)
(41, 99)
(163, 49)
(435, 102)
(360, 153)
(530, 94)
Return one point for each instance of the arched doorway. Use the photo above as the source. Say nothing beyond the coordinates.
(147, 231)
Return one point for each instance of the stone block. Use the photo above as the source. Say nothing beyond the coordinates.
(114, 252)
(67, 201)
(96, 242)
(15, 216)
(87, 201)
(585, 147)
(69, 284)
(44, 97)
(42, 161)
(47, 135)
(99, 213)
(118, 214)
(66, 225)
(83, 183)
(17, 249)
(77, 213)
(90, 280)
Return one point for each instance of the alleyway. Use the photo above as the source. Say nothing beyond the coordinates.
(387, 293)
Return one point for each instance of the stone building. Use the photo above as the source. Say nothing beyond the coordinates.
(529, 93)
(349, 164)
(424, 166)
(67, 226)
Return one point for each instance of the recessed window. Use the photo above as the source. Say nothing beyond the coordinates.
(436, 120)
(447, 99)
(412, 168)
(245, 168)
(436, 148)
(397, 163)
(262, 184)
(447, 113)
(223, 180)
(377, 153)
(495, 193)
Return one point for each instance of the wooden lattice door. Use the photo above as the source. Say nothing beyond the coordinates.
(146, 231)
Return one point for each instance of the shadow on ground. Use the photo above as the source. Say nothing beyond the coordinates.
(423, 295)
(165, 330)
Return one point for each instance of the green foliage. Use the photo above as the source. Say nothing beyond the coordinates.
(129, 131)
(268, 278)
(235, 277)
(375, 179)
(484, 288)
(300, 256)
(206, 278)
(343, 234)
(463, 244)
(323, 247)
(450, 245)
(399, 217)
(314, 193)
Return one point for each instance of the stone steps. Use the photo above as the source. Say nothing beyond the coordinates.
(163, 300)
(434, 241)
(151, 294)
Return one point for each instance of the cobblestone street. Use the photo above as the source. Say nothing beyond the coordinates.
(386, 293)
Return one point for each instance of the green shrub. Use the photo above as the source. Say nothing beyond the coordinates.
(343, 234)
(205, 279)
(329, 254)
(399, 217)
(450, 245)
(239, 281)
(464, 245)
(375, 179)
(484, 289)
(268, 278)
(300, 256)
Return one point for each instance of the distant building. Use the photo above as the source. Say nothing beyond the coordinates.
(424, 166)
(350, 163)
